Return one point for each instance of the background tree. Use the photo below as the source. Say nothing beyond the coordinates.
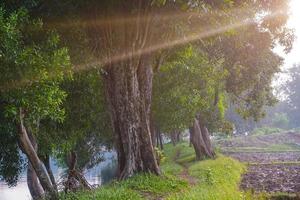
(291, 89)
(186, 87)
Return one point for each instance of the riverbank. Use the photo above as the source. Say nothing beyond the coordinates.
(183, 178)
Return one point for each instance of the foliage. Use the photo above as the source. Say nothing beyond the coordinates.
(32, 66)
(159, 155)
(11, 161)
(86, 122)
(280, 120)
(184, 86)
(291, 89)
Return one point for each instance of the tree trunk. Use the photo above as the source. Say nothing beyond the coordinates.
(175, 137)
(153, 132)
(199, 140)
(178, 136)
(206, 138)
(40, 170)
(128, 87)
(190, 139)
(46, 161)
(127, 65)
(35, 188)
(76, 180)
(160, 139)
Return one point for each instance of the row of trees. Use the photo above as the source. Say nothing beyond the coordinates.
(82, 72)
(284, 115)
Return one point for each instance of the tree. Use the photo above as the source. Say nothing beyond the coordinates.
(250, 64)
(78, 142)
(186, 87)
(291, 89)
(124, 42)
(32, 67)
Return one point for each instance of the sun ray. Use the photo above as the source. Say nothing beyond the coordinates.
(244, 20)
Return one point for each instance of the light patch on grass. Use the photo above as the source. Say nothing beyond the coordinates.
(218, 179)
(157, 185)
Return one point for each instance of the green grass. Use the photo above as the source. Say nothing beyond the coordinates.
(215, 179)
(218, 179)
(156, 185)
(266, 131)
(133, 189)
(168, 166)
(109, 192)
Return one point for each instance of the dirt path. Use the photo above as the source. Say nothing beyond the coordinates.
(185, 172)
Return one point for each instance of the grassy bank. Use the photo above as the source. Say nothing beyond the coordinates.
(183, 178)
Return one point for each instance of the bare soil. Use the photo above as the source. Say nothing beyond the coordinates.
(266, 157)
(272, 178)
(269, 172)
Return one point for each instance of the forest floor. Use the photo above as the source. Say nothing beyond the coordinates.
(273, 162)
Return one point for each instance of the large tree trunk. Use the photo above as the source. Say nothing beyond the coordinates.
(128, 87)
(38, 166)
(34, 186)
(200, 142)
(122, 46)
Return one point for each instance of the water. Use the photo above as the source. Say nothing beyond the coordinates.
(98, 175)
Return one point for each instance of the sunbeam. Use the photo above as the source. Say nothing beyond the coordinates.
(244, 20)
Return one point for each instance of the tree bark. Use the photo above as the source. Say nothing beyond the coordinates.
(40, 170)
(46, 161)
(128, 87)
(199, 140)
(76, 179)
(159, 135)
(153, 132)
(206, 138)
(123, 49)
(175, 137)
(35, 188)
